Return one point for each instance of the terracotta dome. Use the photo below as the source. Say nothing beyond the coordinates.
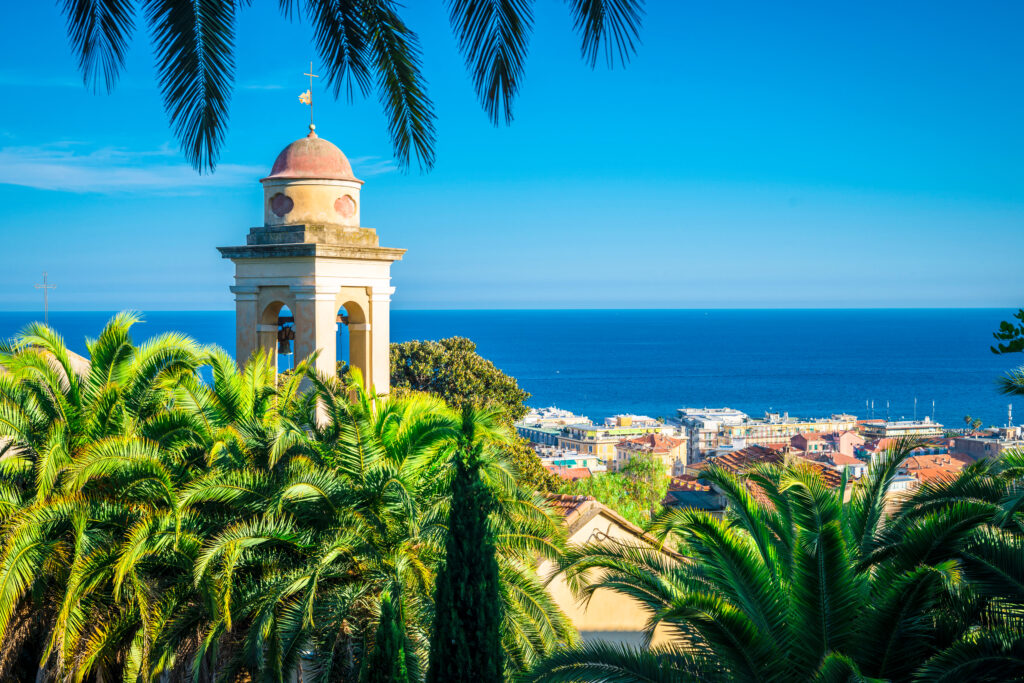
(312, 157)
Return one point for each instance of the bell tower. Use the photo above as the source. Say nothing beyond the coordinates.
(312, 257)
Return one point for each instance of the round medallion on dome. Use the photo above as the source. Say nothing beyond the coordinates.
(311, 157)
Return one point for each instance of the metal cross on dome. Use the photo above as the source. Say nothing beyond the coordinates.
(307, 97)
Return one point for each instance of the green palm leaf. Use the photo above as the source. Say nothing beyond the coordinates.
(194, 46)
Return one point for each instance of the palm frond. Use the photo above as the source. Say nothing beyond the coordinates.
(613, 25)
(492, 36)
(194, 46)
(99, 31)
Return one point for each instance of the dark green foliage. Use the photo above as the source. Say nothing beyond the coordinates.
(386, 662)
(452, 370)
(529, 470)
(466, 642)
(1010, 337)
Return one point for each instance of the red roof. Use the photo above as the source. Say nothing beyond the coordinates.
(311, 157)
(738, 461)
(569, 473)
(651, 443)
(686, 483)
(840, 459)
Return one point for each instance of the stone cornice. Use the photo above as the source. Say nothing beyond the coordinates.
(312, 249)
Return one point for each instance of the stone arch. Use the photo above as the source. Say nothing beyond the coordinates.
(272, 302)
(354, 330)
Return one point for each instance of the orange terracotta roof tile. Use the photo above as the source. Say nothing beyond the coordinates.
(655, 443)
(569, 473)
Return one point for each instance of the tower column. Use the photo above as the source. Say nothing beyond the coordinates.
(247, 317)
(315, 326)
(380, 340)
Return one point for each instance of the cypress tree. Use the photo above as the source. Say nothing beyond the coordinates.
(386, 662)
(466, 643)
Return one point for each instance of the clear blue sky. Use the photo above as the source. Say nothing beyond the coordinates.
(754, 154)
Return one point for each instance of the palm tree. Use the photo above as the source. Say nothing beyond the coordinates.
(90, 463)
(799, 584)
(312, 542)
(155, 526)
(364, 44)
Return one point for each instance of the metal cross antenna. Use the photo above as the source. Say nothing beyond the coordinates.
(311, 77)
(46, 287)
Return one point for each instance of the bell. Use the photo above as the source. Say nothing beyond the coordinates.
(284, 336)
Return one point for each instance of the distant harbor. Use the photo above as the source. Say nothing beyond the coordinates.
(574, 447)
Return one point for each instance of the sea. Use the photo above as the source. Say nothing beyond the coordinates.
(896, 363)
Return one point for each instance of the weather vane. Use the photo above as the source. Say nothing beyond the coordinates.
(307, 97)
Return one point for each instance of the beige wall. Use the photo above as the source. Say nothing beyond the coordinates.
(608, 616)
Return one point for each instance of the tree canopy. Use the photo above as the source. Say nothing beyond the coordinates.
(452, 370)
(635, 492)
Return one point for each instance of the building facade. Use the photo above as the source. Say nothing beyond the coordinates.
(670, 451)
(883, 429)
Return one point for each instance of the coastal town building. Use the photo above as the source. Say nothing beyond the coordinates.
(855, 467)
(718, 430)
(607, 616)
(933, 446)
(539, 434)
(670, 451)
(559, 459)
(932, 468)
(885, 429)
(543, 425)
(311, 271)
(740, 461)
(629, 420)
(600, 440)
(552, 417)
(776, 428)
(703, 427)
(976, 447)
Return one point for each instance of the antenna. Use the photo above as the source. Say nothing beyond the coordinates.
(46, 287)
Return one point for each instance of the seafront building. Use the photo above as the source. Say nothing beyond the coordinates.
(703, 427)
(988, 445)
(542, 426)
(779, 428)
(601, 440)
(885, 429)
(552, 417)
(717, 430)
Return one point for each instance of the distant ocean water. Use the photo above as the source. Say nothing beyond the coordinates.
(806, 362)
